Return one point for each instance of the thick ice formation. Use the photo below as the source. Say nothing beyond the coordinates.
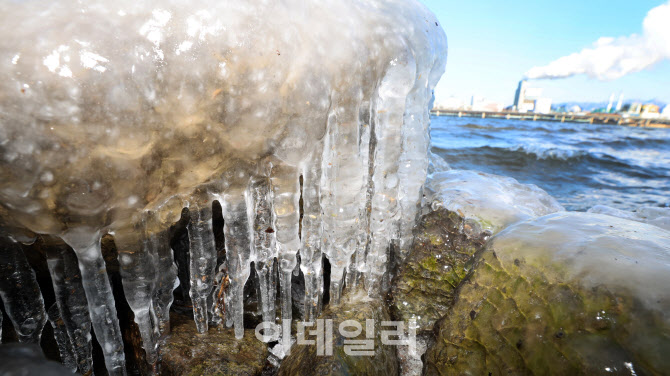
(656, 216)
(116, 115)
(492, 201)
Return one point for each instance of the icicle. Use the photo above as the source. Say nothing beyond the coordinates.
(286, 196)
(67, 356)
(312, 231)
(166, 274)
(20, 293)
(71, 302)
(343, 185)
(202, 253)
(413, 164)
(1, 326)
(236, 230)
(390, 107)
(86, 244)
(356, 268)
(137, 265)
(264, 247)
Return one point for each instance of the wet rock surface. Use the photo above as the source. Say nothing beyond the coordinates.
(467, 207)
(564, 294)
(185, 352)
(304, 360)
(442, 254)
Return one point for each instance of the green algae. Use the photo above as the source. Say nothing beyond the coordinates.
(521, 313)
(441, 256)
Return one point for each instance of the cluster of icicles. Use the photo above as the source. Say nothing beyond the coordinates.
(315, 149)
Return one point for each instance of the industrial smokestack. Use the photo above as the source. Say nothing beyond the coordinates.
(619, 104)
(609, 104)
(611, 58)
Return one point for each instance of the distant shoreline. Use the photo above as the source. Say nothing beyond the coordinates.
(593, 118)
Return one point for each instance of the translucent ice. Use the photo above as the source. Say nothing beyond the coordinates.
(20, 293)
(647, 214)
(71, 301)
(596, 250)
(276, 109)
(67, 356)
(492, 201)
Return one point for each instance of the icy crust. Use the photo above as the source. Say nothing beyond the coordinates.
(181, 93)
(626, 257)
(647, 214)
(492, 201)
(115, 116)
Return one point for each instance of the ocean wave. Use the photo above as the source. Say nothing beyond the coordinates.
(540, 152)
(554, 158)
(639, 143)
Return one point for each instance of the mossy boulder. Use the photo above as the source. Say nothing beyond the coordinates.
(441, 256)
(217, 352)
(466, 208)
(304, 360)
(564, 294)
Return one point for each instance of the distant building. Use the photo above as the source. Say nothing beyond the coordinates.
(645, 111)
(666, 112)
(482, 104)
(529, 99)
(542, 105)
(451, 103)
(650, 111)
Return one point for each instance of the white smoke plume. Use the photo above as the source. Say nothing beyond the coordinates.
(612, 58)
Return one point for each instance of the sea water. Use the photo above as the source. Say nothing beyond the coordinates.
(581, 165)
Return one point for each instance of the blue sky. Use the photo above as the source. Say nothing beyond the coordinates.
(492, 43)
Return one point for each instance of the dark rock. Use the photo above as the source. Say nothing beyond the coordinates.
(27, 360)
(185, 352)
(303, 359)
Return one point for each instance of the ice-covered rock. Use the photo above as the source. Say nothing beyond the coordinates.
(465, 208)
(656, 216)
(574, 293)
(491, 201)
(116, 116)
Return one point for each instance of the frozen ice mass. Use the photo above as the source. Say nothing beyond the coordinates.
(307, 121)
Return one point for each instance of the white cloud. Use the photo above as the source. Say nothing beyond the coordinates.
(611, 58)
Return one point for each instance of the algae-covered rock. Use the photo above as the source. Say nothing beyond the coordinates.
(304, 360)
(441, 256)
(468, 207)
(217, 352)
(564, 294)
(492, 201)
